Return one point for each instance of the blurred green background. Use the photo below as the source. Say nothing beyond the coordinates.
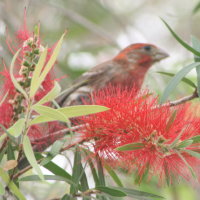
(97, 30)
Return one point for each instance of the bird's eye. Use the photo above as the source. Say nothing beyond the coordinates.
(147, 48)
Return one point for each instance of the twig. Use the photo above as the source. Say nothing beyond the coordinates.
(45, 142)
(38, 161)
(182, 100)
(72, 145)
(25, 170)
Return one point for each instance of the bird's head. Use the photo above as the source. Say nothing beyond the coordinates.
(141, 54)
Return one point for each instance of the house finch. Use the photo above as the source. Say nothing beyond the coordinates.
(126, 70)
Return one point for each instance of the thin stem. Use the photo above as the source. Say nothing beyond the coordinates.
(184, 99)
(180, 101)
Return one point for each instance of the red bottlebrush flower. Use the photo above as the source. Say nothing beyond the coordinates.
(156, 131)
(15, 104)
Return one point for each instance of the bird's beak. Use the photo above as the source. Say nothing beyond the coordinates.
(160, 54)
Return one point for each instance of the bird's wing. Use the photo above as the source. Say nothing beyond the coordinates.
(85, 84)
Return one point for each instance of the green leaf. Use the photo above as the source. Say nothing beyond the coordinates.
(36, 73)
(196, 8)
(76, 171)
(31, 157)
(51, 95)
(55, 150)
(113, 175)
(13, 188)
(184, 44)
(192, 153)
(2, 153)
(111, 191)
(184, 144)
(130, 147)
(94, 172)
(10, 151)
(196, 45)
(100, 169)
(185, 80)
(55, 169)
(16, 129)
(2, 137)
(67, 197)
(195, 139)
(4, 175)
(2, 190)
(83, 180)
(176, 140)
(76, 111)
(46, 177)
(39, 79)
(176, 79)
(171, 120)
(15, 83)
(138, 194)
(69, 112)
(41, 119)
(55, 114)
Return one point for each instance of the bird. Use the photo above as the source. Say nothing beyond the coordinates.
(127, 69)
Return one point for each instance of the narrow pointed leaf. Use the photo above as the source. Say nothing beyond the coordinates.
(35, 83)
(51, 95)
(15, 83)
(176, 79)
(31, 157)
(16, 129)
(76, 171)
(113, 175)
(195, 139)
(130, 147)
(192, 153)
(138, 194)
(184, 44)
(46, 177)
(100, 169)
(55, 169)
(2, 153)
(2, 190)
(111, 191)
(196, 8)
(67, 197)
(41, 119)
(94, 172)
(48, 66)
(50, 112)
(196, 45)
(184, 144)
(2, 137)
(14, 189)
(55, 150)
(76, 111)
(11, 185)
(185, 80)
(69, 112)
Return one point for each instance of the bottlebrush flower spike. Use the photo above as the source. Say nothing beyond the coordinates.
(155, 133)
(14, 105)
